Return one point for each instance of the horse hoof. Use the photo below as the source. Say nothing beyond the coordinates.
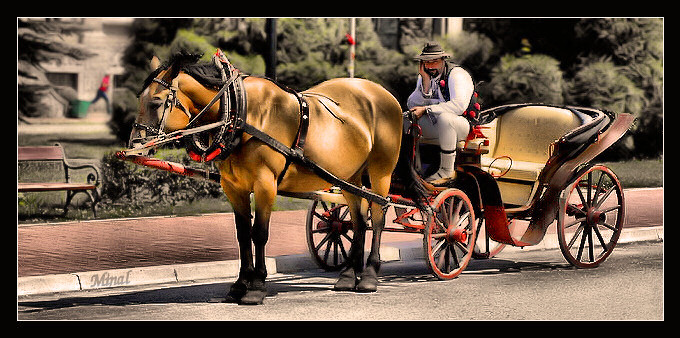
(367, 285)
(236, 292)
(345, 284)
(369, 280)
(253, 297)
(347, 280)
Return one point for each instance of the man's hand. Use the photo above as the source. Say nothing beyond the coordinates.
(423, 73)
(419, 111)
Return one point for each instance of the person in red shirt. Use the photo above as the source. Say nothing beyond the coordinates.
(101, 93)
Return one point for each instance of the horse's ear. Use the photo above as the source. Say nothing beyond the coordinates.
(155, 63)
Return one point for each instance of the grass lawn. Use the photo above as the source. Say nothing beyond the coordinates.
(638, 173)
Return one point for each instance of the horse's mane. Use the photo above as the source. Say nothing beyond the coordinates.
(206, 73)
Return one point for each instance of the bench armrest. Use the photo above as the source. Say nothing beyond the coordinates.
(91, 177)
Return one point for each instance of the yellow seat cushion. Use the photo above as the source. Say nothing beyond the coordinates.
(524, 135)
(519, 170)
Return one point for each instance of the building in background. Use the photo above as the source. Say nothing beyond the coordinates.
(394, 33)
(108, 38)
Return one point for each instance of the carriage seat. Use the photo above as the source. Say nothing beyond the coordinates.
(524, 135)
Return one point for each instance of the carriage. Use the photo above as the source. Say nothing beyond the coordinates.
(522, 162)
(527, 163)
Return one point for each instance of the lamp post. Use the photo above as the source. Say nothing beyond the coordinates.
(352, 44)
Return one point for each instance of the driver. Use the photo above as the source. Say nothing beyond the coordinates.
(443, 92)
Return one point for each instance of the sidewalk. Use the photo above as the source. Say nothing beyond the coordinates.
(94, 122)
(76, 256)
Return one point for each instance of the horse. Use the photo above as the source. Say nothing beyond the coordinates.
(354, 128)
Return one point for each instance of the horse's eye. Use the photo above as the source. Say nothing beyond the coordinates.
(155, 103)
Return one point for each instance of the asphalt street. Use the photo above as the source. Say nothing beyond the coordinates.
(533, 285)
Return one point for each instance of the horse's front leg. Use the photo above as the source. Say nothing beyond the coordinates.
(240, 202)
(264, 190)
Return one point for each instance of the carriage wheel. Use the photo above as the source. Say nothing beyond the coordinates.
(450, 235)
(591, 217)
(485, 247)
(329, 234)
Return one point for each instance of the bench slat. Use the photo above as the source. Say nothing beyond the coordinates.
(40, 153)
(26, 187)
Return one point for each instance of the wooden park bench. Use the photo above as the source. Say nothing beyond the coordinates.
(56, 154)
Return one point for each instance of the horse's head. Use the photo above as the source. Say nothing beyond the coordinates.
(163, 107)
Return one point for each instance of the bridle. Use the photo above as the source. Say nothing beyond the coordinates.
(171, 101)
(223, 141)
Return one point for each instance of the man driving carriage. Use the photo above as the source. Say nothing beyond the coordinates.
(443, 93)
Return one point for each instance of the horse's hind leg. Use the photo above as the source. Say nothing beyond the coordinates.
(349, 276)
(380, 184)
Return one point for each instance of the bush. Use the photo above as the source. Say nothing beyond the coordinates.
(134, 185)
(602, 85)
(530, 78)
(471, 50)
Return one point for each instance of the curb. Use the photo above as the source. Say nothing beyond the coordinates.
(400, 251)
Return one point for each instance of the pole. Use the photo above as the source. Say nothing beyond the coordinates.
(270, 57)
(352, 33)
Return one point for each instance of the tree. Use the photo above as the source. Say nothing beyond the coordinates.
(635, 48)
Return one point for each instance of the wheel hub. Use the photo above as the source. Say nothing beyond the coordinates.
(458, 235)
(594, 217)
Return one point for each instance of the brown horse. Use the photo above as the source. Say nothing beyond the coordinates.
(357, 129)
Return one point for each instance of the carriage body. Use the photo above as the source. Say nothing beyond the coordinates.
(524, 163)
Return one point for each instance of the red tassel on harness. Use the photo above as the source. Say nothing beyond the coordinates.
(194, 156)
(213, 154)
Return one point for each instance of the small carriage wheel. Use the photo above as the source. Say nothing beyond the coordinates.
(485, 247)
(329, 234)
(450, 235)
(591, 217)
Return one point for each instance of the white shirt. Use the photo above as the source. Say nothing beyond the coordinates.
(460, 93)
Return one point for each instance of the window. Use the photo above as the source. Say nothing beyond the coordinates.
(63, 79)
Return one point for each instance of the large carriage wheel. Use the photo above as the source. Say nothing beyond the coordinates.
(329, 234)
(485, 247)
(591, 217)
(450, 235)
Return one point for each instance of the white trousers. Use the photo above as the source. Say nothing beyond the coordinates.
(443, 129)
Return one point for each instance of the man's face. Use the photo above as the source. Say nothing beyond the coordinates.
(433, 67)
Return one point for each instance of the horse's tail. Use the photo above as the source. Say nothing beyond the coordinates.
(415, 187)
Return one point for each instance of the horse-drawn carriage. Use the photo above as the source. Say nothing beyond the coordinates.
(526, 162)
(340, 144)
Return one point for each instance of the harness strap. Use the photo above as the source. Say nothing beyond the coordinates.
(296, 156)
(217, 96)
(300, 137)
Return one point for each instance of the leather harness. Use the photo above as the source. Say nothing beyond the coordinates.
(233, 110)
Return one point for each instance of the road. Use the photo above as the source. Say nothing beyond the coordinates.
(531, 285)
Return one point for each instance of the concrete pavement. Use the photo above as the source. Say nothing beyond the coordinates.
(75, 256)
